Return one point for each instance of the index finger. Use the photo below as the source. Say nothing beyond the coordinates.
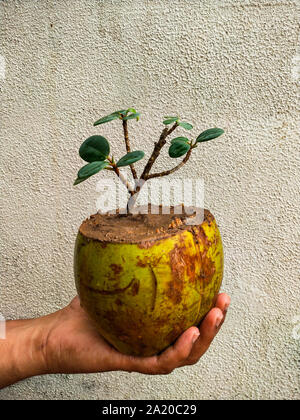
(209, 328)
(173, 357)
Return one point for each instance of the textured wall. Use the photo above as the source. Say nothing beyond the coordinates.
(227, 63)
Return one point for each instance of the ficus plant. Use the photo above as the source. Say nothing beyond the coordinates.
(96, 151)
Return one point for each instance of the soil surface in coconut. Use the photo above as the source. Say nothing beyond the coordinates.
(138, 227)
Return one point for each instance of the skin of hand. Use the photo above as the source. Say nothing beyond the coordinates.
(67, 342)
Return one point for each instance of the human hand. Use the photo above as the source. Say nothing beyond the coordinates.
(73, 345)
(68, 342)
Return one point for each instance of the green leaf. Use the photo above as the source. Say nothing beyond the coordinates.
(130, 158)
(186, 125)
(131, 110)
(184, 139)
(94, 148)
(88, 170)
(209, 134)
(106, 119)
(170, 120)
(131, 116)
(178, 148)
(122, 112)
(172, 116)
(79, 180)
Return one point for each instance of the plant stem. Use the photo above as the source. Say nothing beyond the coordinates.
(127, 143)
(146, 172)
(131, 201)
(121, 177)
(170, 171)
(157, 148)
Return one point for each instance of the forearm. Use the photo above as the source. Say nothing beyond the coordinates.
(21, 352)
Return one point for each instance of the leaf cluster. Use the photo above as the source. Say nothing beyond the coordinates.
(95, 150)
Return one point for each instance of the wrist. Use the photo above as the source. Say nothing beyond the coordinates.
(22, 351)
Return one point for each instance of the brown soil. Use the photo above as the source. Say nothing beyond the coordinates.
(138, 227)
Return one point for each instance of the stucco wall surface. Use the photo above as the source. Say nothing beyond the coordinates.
(233, 64)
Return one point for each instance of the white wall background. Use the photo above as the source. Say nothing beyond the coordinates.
(227, 63)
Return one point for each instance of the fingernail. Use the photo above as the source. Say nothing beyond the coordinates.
(195, 336)
(218, 321)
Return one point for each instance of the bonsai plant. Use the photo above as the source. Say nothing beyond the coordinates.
(145, 278)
